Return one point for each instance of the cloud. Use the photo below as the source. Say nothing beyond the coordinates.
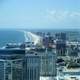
(61, 16)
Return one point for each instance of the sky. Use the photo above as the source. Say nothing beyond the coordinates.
(40, 14)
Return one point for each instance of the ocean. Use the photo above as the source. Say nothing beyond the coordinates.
(11, 36)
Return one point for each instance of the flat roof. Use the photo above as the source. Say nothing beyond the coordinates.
(12, 51)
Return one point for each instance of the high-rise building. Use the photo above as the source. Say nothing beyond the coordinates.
(11, 64)
(32, 66)
(61, 44)
(60, 48)
(61, 36)
(73, 51)
(48, 41)
(48, 64)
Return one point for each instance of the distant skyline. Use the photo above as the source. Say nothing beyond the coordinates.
(40, 14)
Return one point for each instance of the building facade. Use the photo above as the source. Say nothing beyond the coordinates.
(48, 64)
(11, 64)
(61, 44)
(32, 66)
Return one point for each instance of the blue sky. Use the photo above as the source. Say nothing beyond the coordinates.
(33, 14)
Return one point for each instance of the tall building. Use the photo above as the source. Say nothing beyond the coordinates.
(61, 44)
(60, 48)
(11, 64)
(61, 36)
(48, 64)
(73, 51)
(48, 41)
(32, 66)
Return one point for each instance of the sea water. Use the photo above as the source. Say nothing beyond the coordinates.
(11, 36)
